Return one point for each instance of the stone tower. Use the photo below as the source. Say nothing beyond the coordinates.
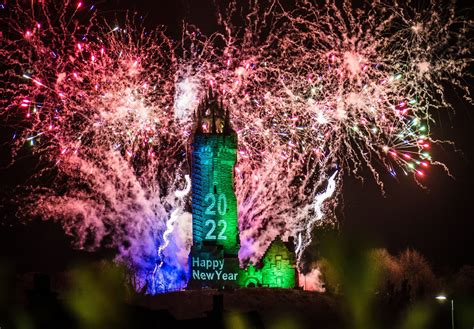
(213, 152)
(213, 259)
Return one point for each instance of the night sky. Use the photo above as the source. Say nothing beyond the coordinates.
(437, 221)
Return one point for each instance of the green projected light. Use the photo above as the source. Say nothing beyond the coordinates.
(213, 260)
(277, 269)
(214, 153)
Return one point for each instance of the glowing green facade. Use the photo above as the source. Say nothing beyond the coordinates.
(213, 260)
(277, 268)
(214, 153)
(213, 198)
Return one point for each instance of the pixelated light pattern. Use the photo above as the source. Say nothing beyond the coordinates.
(214, 202)
(312, 88)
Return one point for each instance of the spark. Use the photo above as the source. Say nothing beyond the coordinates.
(320, 198)
(319, 214)
(169, 229)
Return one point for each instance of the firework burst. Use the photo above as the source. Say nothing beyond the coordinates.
(313, 90)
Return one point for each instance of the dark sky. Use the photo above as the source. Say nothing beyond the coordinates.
(438, 220)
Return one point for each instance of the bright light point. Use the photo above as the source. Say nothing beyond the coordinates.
(321, 119)
(423, 67)
(240, 71)
(441, 297)
(352, 62)
(417, 28)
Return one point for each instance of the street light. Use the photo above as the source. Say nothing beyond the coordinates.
(443, 298)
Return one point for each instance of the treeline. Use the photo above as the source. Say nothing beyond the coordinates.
(378, 289)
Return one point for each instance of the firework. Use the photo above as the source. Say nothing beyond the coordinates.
(312, 90)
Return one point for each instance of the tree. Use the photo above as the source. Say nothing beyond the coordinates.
(417, 275)
(390, 273)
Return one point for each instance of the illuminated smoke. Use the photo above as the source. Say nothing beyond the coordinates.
(312, 281)
(186, 98)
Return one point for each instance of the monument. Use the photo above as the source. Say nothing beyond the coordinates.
(214, 259)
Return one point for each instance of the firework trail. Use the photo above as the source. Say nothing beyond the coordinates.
(319, 214)
(173, 219)
(311, 89)
(94, 103)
